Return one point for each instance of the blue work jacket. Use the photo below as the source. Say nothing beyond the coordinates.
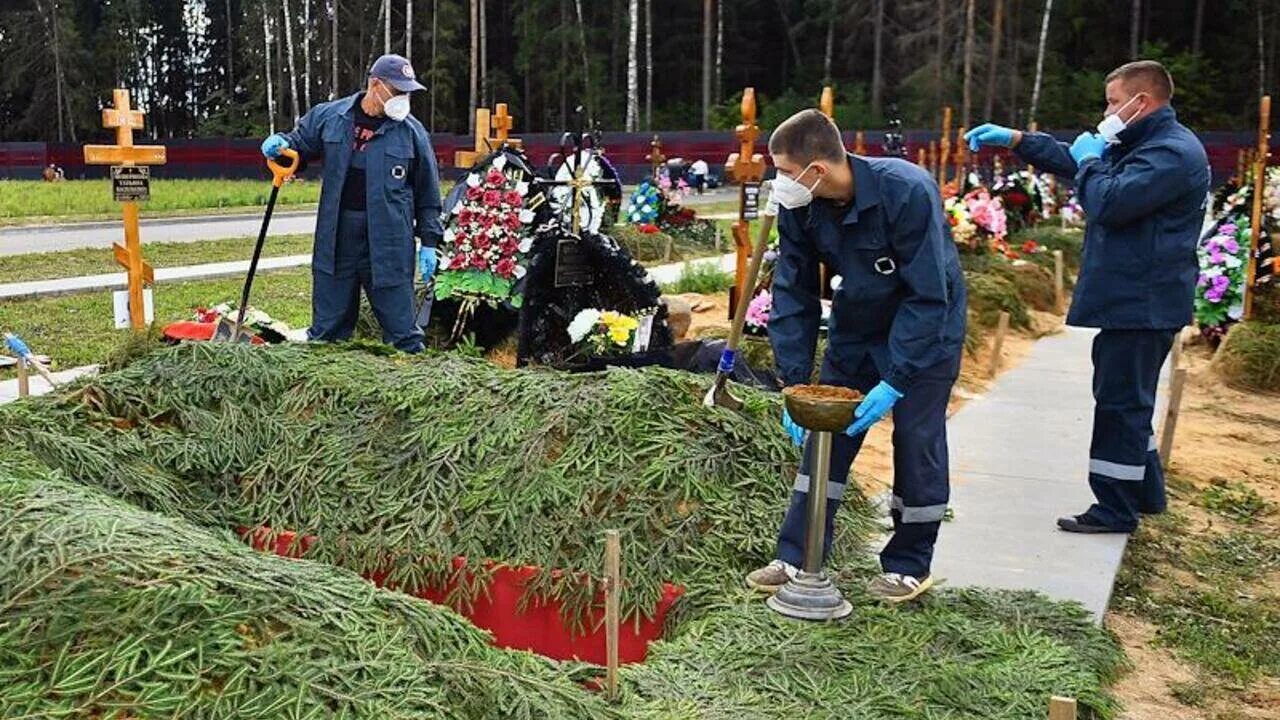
(901, 300)
(1144, 204)
(402, 188)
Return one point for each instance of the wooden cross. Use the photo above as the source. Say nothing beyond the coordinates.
(1255, 216)
(944, 146)
(500, 123)
(961, 158)
(655, 157)
(827, 102)
(745, 167)
(125, 120)
(859, 144)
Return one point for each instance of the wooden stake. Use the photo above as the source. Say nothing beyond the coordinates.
(1061, 708)
(24, 380)
(1175, 360)
(612, 593)
(1059, 282)
(1002, 327)
(1255, 218)
(944, 146)
(1170, 424)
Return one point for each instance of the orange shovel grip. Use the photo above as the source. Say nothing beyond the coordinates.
(279, 172)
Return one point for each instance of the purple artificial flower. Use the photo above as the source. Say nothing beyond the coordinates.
(1228, 229)
(1221, 282)
(1203, 280)
(1232, 246)
(1216, 257)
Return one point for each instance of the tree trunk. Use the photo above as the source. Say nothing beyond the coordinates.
(282, 92)
(333, 50)
(408, 31)
(791, 38)
(1135, 24)
(306, 53)
(586, 65)
(266, 67)
(484, 56)
(293, 73)
(707, 11)
(527, 39)
(231, 54)
(51, 28)
(1197, 28)
(1015, 78)
(564, 58)
(474, 100)
(877, 55)
(938, 59)
(993, 60)
(966, 103)
(718, 90)
(1262, 57)
(1044, 38)
(648, 64)
(386, 27)
(633, 60)
(831, 41)
(435, 14)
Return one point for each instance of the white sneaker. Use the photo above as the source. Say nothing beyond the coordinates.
(897, 588)
(771, 577)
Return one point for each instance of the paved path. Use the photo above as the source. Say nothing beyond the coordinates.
(237, 268)
(1019, 460)
(70, 236)
(40, 386)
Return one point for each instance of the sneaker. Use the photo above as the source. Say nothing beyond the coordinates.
(770, 578)
(897, 588)
(1085, 525)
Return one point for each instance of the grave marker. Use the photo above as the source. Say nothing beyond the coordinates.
(745, 167)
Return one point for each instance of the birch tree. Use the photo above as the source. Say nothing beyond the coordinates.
(289, 51)
(266, 67)
(586, 62)
(1135, 24)
(648, 64)
(877, 55)
(386, 27)
(1044, 38)
(333, 49)
(475, 66)
(408, 31)
(633, 84)
(993, 59)
(966, 100)
(707, 10)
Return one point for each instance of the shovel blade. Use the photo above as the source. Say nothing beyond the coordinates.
(719, 395)
(226, 331)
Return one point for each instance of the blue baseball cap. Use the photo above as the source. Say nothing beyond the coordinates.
(396, 71)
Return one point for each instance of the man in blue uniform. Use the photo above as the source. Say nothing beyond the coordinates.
(380, 190)
(1142, 181)
(895, 333)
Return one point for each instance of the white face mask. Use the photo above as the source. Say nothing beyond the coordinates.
(396, 107)
(1111, 125)
(789, 193)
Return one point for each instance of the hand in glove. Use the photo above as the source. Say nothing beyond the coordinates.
(795, 431)
(427, 263)
(272, 146)
(989, 134)
(1087, 146)
(876, 405)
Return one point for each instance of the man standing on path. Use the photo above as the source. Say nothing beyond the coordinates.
(1142, 180)
(380, 190)
(896, 332)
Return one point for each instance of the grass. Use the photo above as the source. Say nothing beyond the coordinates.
(94, 261)
(706, 279)
(24, 201)
(1249, 359)
(78, 329)
(1206, 592)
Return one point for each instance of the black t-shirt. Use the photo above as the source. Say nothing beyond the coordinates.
(353, 187)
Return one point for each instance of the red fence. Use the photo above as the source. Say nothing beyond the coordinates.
(239, 158)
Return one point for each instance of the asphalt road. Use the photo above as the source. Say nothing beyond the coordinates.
(70, 236)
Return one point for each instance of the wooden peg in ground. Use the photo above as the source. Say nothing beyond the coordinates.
(612, 609)
(1061, 708)
(997, 346)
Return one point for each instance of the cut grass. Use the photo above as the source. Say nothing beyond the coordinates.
(28, 201)
(78, 330)
(95, 261)
(1249, 359)
(1206, 592)
(705, 279)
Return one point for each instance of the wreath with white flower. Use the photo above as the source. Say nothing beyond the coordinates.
(487, 237)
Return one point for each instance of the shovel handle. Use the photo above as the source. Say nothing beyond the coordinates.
(280, 173)
(753, 270)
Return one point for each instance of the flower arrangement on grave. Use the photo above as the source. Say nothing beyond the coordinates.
(1071, 213)
(255, 320)
(487, 239)
(978, 222)
(645, 205)
(596, 332)
(1025, 197)
(758, 311)
(1224, 256)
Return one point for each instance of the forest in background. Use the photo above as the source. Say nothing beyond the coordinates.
(238, 68)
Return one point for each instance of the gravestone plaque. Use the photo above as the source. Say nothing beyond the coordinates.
(131, 183)
(573, 268)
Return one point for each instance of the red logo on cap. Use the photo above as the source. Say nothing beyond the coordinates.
(407, 70)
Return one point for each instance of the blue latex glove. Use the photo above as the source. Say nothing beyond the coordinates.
(1087, 146)
(427, 263)
(272, 146)
(877, 404)
(795, 431)
(988, 134)
(16, 346)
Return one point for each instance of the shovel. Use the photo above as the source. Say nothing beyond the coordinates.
(228, 331)
(719, 394)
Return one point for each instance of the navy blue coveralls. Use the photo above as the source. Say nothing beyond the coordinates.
(373, 249)
(898, 315)
(1144, 202)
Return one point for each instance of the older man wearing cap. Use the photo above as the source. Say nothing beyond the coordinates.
(380, 190)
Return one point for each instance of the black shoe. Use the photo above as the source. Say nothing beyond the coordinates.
(1082, 524)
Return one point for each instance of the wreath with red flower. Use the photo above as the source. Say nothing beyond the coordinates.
(487, 237)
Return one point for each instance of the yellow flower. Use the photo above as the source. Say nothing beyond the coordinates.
(619, 326)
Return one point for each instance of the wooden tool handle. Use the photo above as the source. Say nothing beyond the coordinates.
(753, 270)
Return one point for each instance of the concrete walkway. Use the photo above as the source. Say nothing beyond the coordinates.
(237, 268)
(70, 236)
(1019, 460)
(40, 386)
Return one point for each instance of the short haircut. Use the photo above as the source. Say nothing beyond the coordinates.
(1149, 74)
(807, 136)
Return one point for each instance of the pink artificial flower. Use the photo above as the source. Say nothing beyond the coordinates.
(506, 267)
(459, 262)
(758, 310)
(492, 198)
(481, 242)
(495, 177)
(512, 221)
(479, 261)
(513, 198)
(474, 193)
